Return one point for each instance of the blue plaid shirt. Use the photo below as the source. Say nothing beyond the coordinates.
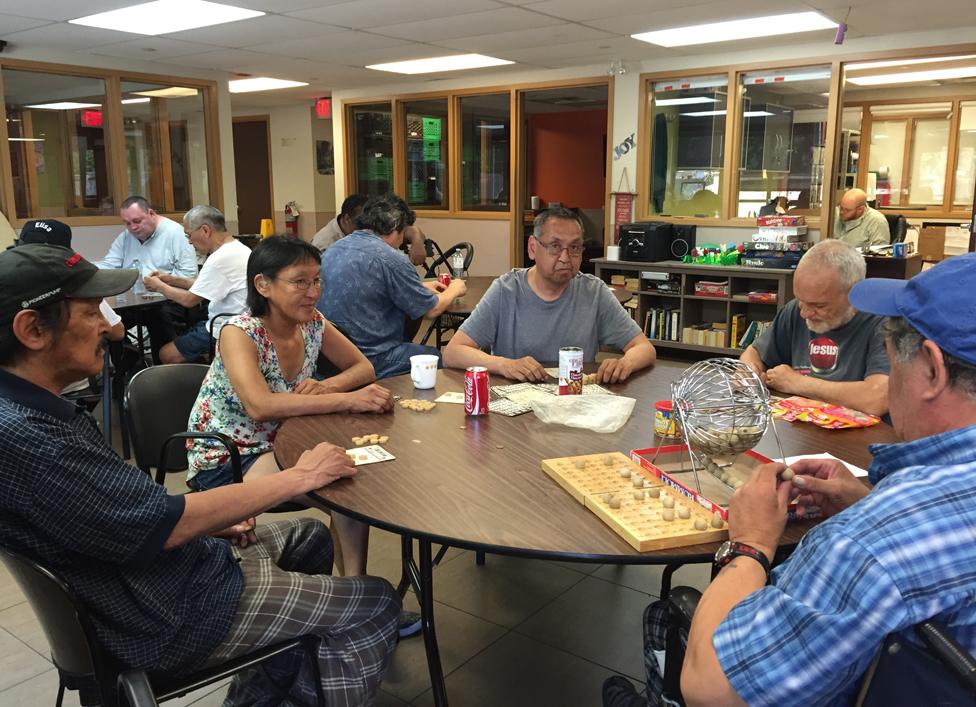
(68, 501)
(902, 555)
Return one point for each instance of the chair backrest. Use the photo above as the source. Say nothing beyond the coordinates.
(444, 259)
(214, 320)
(158, 402)
(63, 619)
(897, 227)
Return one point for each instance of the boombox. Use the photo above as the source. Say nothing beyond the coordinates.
(655, 241)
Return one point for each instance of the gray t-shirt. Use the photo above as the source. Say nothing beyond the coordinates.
(513, 321)
(849, 353)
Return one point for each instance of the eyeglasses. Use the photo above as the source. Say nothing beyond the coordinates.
(554, 249)
(303, 284)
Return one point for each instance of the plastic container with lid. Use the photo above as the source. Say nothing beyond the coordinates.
(665, 421)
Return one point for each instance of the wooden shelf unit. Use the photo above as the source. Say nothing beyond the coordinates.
(697, 309)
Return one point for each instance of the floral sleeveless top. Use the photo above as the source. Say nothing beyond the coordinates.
(219, 409)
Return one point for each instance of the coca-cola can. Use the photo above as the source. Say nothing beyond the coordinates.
(570, 370)
(476, 391)
(444, 279)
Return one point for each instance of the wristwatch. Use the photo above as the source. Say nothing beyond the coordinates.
(731, 549)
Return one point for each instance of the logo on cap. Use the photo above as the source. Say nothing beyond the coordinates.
(823, 354)
(72, 260)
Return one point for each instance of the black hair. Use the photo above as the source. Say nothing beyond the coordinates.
(554, 212)
(352, 202)
(271, 256)
(53, 316)
(136, 200)
(385, 214)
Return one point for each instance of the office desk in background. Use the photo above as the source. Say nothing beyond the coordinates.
(895, 268)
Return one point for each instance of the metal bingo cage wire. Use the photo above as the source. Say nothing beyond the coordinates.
(723, 406)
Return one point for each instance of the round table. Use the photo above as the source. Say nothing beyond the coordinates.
(477, 482)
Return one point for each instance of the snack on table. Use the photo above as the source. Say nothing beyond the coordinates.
(418, 405)
(831, 417)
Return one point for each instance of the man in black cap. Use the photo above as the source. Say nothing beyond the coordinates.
(163, 593)
(883, 561)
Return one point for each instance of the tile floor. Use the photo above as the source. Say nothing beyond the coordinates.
(512, 632)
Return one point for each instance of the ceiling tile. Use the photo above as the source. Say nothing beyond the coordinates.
(280, 6)
(150, 48)
(63, 37)
(333, 45)
(60, 9)
(257, 30)
(10, 24)
(505, 20)
(381, 54)
(592, 51)
(696, 14)
(224, 60)
(497, 44)
(360, 14)
(581, 10)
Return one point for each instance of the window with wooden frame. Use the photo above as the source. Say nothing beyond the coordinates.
(75, 142)
(426, 135)
(370, 130)
(485, 124)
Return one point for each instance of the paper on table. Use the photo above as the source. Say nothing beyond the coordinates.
(856, 470)
(369, 455)
(451, 397)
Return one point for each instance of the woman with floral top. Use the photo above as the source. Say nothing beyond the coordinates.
(262, 374)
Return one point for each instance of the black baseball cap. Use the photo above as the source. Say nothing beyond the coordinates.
(48, 231)
(35, 275)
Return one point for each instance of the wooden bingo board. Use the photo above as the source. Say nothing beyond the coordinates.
(634, 502)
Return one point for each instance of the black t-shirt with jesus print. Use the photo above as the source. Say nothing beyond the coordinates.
(849, 353)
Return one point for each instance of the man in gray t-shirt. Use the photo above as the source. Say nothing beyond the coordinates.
(527, 315)
(819, 346)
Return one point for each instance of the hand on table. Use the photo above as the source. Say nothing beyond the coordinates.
(783, 378)
(310, 386)
(165, 277)
(757, 511)
(322, 465)
(457, 288)
(614, 370)
(827, 484)
(372, 398)
(240, 534)
(435, 286)
(153, 283)
(523, 369)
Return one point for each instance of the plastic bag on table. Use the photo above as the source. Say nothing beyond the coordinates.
(600, 413)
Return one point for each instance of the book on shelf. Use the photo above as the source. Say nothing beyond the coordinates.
(752, 332)
(738, 327)
(662, 323)
(783, 230)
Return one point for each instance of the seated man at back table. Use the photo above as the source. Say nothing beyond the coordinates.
(222, 281)
(857, 224)
(163, 594)
(369, 288)
(343, 224)
(529, 313)
(153, 243)
(882, 562)
(819, 346)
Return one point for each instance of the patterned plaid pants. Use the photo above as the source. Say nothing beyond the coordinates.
(287, 594)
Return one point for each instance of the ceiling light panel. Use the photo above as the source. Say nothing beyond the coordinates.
(441, 63)
(773, 25)
(63, 105)
(684, 101)
(261, 83)
(166, 16)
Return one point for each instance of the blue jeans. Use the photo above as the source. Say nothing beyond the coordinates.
(194, 343)
(396, 361)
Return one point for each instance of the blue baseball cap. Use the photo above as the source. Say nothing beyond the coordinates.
(940, 303)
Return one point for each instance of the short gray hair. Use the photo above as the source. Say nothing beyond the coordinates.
(846, 261)
(204, 215)
(551, 213)
(906, 341)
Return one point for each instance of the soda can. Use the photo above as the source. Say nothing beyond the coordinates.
(444, 279)
(476, 391)
(570, 370)
(898, 250)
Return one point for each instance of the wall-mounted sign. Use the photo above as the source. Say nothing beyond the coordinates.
(623, 148)
(91, 118)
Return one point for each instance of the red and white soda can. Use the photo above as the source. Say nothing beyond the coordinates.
(570, 370)
(476, 391)
(444, 279)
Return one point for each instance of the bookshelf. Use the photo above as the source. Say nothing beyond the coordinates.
(696, 309)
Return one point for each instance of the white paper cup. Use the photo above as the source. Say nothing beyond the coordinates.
(423, 371)
(613, 252)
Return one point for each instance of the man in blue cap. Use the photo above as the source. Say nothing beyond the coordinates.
(885, 559)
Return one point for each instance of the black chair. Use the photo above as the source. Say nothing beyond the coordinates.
(443, 258)
(897, 227)
(942, 673)
(80, 659)
(158, 402)
(210, 328)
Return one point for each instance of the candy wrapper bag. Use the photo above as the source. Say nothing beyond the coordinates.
(831, 417)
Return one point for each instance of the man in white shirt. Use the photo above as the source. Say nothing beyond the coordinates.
(222, 281)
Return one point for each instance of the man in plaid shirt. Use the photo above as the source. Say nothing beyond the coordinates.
(883, 561)
(172, 583)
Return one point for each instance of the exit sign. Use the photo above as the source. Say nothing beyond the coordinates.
(91, 118)
(323, 108)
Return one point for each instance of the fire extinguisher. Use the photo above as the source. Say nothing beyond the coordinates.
(291, 218)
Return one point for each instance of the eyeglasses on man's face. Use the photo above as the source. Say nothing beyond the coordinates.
(554, 249)
(303, 284)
